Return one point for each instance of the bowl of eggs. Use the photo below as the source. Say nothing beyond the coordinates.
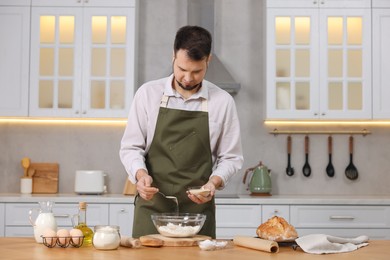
(63, 238)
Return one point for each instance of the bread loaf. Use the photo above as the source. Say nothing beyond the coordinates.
(276, 229)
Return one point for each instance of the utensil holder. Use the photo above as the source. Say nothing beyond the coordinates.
(26, 185)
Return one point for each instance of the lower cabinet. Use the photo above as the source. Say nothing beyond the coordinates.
(122, 215)
(236, 219)
(343, 220)
(17, 222)
(2, 222)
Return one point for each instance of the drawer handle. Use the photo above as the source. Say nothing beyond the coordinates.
(62, 216)
(342, 217)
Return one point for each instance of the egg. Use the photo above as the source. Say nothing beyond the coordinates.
(63, 236)
(76, 235)
(50, 237)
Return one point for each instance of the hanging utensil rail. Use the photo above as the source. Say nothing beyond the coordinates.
(363, 132)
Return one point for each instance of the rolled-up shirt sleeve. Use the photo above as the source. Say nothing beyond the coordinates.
(227, 152)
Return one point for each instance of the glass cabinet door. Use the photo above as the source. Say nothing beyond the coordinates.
(55, 68)
(294, 63)
(108, 51)
(345, 62)
(82, 61)
(318, 62)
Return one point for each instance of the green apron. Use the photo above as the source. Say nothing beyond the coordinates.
(179, 157)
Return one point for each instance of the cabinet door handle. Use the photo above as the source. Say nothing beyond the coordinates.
(122, 210)
(84, 112)
(62, 216)
(341, 217)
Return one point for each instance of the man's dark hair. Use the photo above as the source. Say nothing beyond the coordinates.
(195, 40)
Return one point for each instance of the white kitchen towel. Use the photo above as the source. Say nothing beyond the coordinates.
(325, 244)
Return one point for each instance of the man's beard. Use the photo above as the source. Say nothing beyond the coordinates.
(188, 88)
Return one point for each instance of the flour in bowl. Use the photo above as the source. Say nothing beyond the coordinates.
(172, 230)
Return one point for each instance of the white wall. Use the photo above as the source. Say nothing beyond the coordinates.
(239, 43)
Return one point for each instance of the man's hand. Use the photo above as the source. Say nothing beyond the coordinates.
(144, 182)
(214, 183)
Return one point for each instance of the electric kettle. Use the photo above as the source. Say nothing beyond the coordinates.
(260, 181)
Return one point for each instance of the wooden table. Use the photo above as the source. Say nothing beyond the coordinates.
(26, 248)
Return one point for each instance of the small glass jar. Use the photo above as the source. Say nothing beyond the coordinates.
(106, 237)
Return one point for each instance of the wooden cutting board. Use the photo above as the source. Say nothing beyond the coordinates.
(45, 179)
(157, 240)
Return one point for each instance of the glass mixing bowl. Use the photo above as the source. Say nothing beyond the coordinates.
(178, 225)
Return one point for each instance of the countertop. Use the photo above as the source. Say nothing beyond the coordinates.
(26, 248)
(220, 199)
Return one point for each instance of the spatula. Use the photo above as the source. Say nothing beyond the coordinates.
(351, 172)
(330, 168)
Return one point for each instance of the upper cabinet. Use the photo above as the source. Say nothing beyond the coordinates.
(319, 59)
(82, 58)
(381, 58)
(14, 61)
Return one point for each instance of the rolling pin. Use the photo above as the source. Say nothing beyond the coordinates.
(130, 242)
(256, 243)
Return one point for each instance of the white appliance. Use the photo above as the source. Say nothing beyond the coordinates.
(90, 182)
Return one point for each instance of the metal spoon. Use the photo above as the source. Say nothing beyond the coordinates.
(171, 198)
(330, 168)
(306, 167)
(351, 171)
(289, 169)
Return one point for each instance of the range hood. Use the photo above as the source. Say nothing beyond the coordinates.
(201, 13)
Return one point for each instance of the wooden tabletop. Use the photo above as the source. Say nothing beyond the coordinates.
(27, 248)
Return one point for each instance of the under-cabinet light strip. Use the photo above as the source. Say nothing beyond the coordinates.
(67, 121)
(363, 132)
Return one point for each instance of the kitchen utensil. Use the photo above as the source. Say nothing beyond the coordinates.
(30, 173)
(178, 225)
(351, 171)
(289, 169)
(199, 190)
(45, 178)
(157, 240)
(330, 168)
(45, 219)
(306, 167)
(260, 182)
(172, 198)
(25, 164)
(256, 243)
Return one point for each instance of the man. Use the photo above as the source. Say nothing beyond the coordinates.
(182, 131)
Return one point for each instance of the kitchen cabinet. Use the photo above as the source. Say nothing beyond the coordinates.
(232, 220)
(319, 59)
(342, 220)
(381, 58)
(2, 221)
(122, 215)
(268, 211)
(14, 62)
(82, 58)
(17, 217)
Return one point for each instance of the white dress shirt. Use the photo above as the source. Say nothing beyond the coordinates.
(225, 140)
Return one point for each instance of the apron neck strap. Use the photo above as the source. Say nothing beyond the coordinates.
(165, 99)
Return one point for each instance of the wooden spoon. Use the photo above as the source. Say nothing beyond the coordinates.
(306, 168)
(25, 164)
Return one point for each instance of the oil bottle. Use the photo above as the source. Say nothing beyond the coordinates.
(81, 223)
